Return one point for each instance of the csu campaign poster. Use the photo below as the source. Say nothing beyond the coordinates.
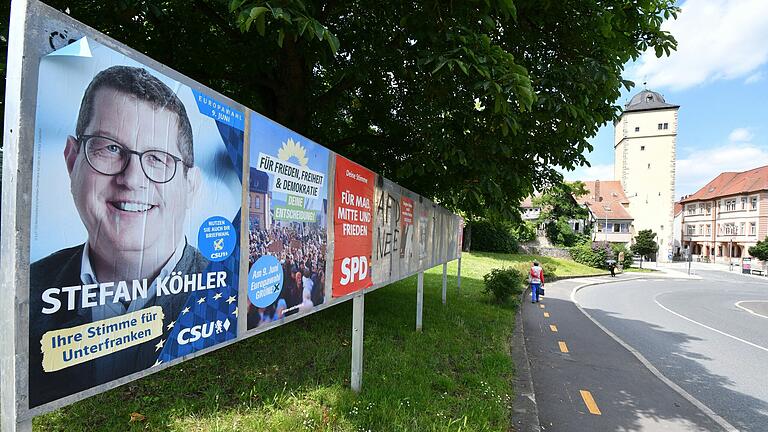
(353, 227)
(136, 202)
(288, 206)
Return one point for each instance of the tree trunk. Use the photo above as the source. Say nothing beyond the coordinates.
(291, 94)
(466, 243)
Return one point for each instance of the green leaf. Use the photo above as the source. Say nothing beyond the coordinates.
(463, 67)
(235, 4)
(257, 11)
(261, 24)
(439, 66)
(333, 41)
(280, 37)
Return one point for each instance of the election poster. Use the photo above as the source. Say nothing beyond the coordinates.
(288, 205)
(353, 227)
(136, 202)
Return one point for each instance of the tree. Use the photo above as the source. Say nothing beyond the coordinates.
(645, 244)
(472, 103)
(558, 207)
(760, 251)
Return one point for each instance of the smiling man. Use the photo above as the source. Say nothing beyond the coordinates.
(132, 179)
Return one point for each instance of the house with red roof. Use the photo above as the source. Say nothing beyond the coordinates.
(607, 204)
(726, 216)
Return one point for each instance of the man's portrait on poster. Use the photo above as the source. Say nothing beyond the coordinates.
(132, 178)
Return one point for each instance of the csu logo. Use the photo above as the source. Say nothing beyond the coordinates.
(202, 331)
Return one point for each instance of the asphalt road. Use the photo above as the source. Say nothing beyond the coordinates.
(708, 336)
(586, 381)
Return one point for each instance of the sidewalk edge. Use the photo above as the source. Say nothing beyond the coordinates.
(525, 411)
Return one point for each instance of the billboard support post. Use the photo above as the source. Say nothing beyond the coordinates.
(458, 275)
(445, 282)
(13, 310)
(358, 314)
(419, 299)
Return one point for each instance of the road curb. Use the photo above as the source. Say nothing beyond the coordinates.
(648, 365)
(525, 412)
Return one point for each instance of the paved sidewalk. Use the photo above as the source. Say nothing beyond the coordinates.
(586, 381)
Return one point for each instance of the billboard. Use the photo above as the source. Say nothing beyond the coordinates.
(155, 220)
(288, 205)
(130, 268)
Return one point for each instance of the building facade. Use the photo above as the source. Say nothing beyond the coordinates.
(644, 162)
(607, 206)
(722, 220)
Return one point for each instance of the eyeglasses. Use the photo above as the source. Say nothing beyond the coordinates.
(109, 157)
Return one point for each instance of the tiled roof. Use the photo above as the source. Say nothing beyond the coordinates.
(732, 183)
(678, 208)
(528, 203)
(612, 194)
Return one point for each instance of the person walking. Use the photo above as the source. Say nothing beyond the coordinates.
(536, 276)
(612, 268)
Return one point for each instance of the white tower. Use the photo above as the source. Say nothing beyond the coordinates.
(644, 161)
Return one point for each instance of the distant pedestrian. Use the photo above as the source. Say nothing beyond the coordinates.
(612, 268)
(536, 276)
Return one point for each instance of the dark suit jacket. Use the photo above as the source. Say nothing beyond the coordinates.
(62, 269)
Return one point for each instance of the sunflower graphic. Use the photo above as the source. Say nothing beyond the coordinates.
(292, 149)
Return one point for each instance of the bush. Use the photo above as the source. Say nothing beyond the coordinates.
(502, 283)
(593, 254)
(493, 236)
(525, 232)
(560, 233)
(617, 249)
(550, 271)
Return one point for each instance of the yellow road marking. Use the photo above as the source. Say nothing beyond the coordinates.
(546, 314)
(553, 328)
(541, 306)
(563, 347)
(589, 402)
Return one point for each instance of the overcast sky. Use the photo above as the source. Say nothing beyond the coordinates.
(719, 77)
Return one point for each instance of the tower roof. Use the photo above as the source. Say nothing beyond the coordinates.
(647, 100)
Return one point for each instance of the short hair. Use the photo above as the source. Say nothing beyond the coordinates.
(144, 86)
(535, 263)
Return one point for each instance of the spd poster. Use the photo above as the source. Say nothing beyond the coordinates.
(136, 201)
(353, 227)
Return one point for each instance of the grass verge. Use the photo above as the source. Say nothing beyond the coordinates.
(456, 375)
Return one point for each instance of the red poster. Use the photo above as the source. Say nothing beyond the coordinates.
(353, 227)
(406, 227)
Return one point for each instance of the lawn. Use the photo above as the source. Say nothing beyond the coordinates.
(456, 375)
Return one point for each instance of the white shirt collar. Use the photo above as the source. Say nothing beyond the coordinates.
(88, 276)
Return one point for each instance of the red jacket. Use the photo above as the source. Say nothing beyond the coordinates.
(537, 274)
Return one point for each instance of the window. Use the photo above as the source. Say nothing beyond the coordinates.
(666, 126)
(617, 228)
(637, 128)
(753, 201)
(257, 203)
(660, 126)
(642, 148)
(752, 228)
(709, 229)
(742, 228)
(690, 209)
(709, 208)
(701, 208)
(743, 203)
(730, 205)
(730, 228)
(689, 229)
